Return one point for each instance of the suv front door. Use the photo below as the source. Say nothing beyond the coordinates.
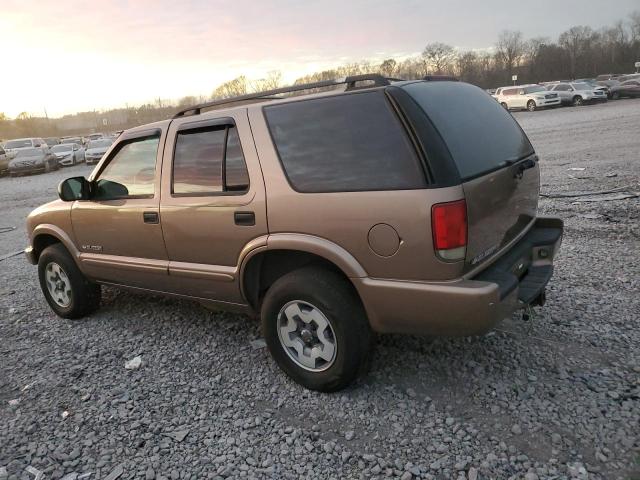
(118, 229)
(213, 203)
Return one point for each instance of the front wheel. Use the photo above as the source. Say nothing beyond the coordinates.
(316, 328)
(47, 167)
(531, 106)
(578, 101)
(67, 291)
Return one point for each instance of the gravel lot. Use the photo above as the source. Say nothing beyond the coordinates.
(555, 397)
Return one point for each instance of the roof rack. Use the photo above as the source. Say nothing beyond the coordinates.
(378, 81)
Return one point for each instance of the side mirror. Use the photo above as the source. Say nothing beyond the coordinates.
(74, 188)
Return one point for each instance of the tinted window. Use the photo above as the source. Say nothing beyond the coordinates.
(344, 143)
(18, 144)
(480, 134)
(510, 91)
(131, 172)
(198, 165)
(236, 176)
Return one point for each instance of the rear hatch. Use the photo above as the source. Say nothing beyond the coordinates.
(496, 163)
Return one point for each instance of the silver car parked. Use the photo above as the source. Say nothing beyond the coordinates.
(68, 153)
(577, 93)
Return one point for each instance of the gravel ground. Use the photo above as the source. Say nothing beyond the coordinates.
(555, 397)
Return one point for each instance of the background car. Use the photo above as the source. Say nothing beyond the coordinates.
(68, 153)
(31, 160)
(51, 141)
(594, 84)
(630, 88)
(77, 140)
(529, 97)
(93, 136)
(96, 149)
(578, 93)
(4, 161)
(13, 146)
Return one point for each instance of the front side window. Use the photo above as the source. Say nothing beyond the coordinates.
(131, 171)
(344, 143)
(209, 160)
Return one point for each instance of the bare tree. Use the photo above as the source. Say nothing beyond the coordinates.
(576, 41)
(272, 80)
(388, 67)
(438, 57)
(510, 48)
(232, 88)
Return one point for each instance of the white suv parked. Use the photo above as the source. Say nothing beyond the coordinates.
(529, 97)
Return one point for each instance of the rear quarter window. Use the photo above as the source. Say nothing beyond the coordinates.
(351, 142)
(480, 134)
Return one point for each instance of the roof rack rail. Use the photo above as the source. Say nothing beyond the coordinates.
(351, 82)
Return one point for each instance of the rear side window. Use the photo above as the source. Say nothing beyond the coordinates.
(199, 165)
(344, 143)
(480, 134)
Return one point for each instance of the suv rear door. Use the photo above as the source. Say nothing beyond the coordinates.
(213, 202)
(496, 163)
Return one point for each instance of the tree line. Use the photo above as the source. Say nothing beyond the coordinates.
(580, 51)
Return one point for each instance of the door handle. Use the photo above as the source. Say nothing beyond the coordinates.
(151, 217)
(245, 219)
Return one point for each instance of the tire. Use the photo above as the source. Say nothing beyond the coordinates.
(79, 298)
(504, 105)
(531, 106)
(615, 96)
(47, 167)
(329, 313)
(578, 101)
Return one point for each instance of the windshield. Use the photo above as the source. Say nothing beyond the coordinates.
(100, 144)
(534, 89)
(581, 86)
(29, 152)
(476, 146)
(62, 148)
(71, 140)
(18, 144)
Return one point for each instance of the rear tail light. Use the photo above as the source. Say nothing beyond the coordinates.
(449, 227)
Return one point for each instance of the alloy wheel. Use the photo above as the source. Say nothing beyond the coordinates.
(58, 284)
(306, 335)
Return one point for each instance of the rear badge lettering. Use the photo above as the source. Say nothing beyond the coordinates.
(484, 255)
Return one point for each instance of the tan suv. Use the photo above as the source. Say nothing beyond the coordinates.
(379, 206)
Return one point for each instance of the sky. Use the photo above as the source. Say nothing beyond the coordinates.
(69, 55)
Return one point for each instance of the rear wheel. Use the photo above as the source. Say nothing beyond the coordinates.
(615, 96)
(47, 167)
(316, 328)
(66, 289)
(531, 106)
(504, 105)
(577, 101)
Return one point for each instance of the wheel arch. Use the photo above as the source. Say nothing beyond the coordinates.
(285, 253)
(46, 235)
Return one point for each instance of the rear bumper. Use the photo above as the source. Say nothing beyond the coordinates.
(466, 306)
